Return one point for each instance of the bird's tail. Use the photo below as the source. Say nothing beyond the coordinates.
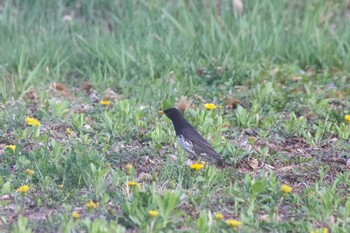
(221, 162)
(217, 158)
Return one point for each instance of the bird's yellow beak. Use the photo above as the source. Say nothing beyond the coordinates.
(160, 112)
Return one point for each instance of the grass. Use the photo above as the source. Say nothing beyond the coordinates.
(279, 71)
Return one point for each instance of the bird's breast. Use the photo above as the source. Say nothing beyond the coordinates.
(187, 145)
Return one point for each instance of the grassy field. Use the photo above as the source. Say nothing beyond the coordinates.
(277, 71)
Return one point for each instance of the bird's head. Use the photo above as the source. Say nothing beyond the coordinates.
(172, 113)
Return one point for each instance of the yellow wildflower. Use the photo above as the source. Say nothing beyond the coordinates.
(29, 172)
(105, 102)
(32, 121)
(218, 216)
(134, 184)
(12, 147)
(91, 205)
(69, 132)
(347, 118)
(60, 186)
(285, 189)
(23, 188)
(233, 223)
(153, 213)
(210, 106)
(75, 215)
(128, 168)
(320, 230)
(197, 166)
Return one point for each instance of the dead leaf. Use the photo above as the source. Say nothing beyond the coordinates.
(6, 197)
(58, 86)
(41, 215)
(94, 97)
(111, 95)
(89, 120)
(253, 163)
(59, 90)
(340, 95)
(286, 168)
(32, 95)
(86, 86)
(310, 115)
(323, 19)
(199, 98)
(265, 218)
(183, 104)
(144, 177)
(232, 102)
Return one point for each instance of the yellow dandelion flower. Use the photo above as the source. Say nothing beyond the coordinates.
(134, 184)
(233, 223)
(105, 102)
(218, 216)
(12, 147)
(69, 132)
(23, 189)
(91, 205)
(32, 121)
(210, 106)
(153, 213)
(75, 215)
(285, 189)
(128, 168)
(347, 118)
(320, 230)
(197, 166)
(29, 172)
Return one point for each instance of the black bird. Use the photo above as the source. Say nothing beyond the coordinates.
(189, 138)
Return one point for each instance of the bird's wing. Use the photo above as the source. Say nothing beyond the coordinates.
(201, 146)
(207, 151)
(193, 135)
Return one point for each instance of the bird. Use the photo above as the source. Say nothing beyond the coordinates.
(190, 140)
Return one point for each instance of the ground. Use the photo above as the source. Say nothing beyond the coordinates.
(98, 157)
